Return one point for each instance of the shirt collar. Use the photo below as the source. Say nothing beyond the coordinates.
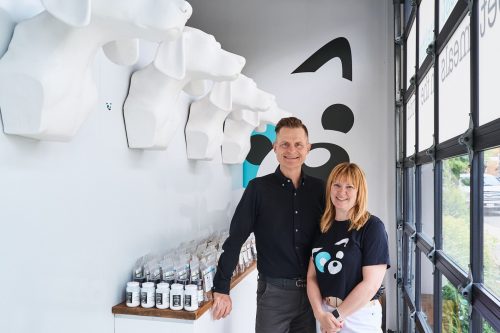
(284, 180)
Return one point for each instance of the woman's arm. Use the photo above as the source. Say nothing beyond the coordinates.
(364, 291)
(326, 319)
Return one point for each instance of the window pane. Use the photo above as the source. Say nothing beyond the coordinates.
(426, 111)
(407, 10)
(428, 200)
(487, 328)
(426, 35)
(454, 84)
(456, 216)
(427, 290)
(489, 68)
(445, 9)
(491, 210)
(411, 50)
(410, 195)
(455, 309)
(410, 126)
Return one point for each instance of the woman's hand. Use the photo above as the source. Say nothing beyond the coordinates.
(328, 322)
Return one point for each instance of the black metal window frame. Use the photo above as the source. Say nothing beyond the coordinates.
(484, 304)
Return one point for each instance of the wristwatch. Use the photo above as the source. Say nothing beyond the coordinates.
(337, 315)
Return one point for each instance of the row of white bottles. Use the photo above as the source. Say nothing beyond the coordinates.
(164, 296)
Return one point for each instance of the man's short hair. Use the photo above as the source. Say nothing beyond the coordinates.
(290, 122)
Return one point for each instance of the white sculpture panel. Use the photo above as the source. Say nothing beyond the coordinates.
(6, 29)
(150, 114)
(239, 127)
(204, 129)
(46, 85)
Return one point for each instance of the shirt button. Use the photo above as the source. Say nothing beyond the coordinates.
(282, 184)
(296, 230)
(294, 193)
(296, 212)
(288, 180)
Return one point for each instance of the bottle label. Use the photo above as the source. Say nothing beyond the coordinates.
(176, 300)
(129, 297)
(144, 297)
(159, 298)
(187, 301)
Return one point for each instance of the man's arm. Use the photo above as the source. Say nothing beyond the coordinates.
(241, 227)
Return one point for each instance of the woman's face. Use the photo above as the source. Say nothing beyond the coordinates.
(343, 196)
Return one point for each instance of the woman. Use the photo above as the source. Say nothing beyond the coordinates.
(349, 258)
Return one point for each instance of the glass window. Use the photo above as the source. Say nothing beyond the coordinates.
(427, 290)
(426, 111)
(407, 10)
(455, 309)
(411, 50)
(487, 328)
(456, 211)
(428, 200)
(410, 215)
(445, 9)
(454, 83)
(426, 35)
(489, 68)
(491, 210)
(410, 126)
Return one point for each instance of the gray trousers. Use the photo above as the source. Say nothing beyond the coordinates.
(283, 310)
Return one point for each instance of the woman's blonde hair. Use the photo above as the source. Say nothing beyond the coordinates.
(358, 215)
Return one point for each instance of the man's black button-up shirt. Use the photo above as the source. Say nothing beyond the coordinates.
(285, 221)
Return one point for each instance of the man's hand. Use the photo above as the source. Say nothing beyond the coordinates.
(222, 306)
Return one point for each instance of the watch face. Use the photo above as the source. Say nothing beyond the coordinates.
(336, 313)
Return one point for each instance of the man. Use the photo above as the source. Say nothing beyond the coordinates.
(283, 209)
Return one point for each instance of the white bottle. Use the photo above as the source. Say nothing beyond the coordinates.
(177, 296)
(162, 295)
(148, 295)
(133, 293)
(191, 297)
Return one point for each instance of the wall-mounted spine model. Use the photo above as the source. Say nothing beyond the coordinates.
(204, 129)
(6, 30)
(150, 111)
(238, 129)
(46, 84)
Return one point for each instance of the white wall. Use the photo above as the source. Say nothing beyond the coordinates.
(75, 216)
(277, 36)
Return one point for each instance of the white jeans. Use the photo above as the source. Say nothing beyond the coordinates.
(366, 320)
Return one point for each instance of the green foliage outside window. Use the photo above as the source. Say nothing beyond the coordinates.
(455, 311)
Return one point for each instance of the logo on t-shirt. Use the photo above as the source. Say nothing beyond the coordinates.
(322, 258)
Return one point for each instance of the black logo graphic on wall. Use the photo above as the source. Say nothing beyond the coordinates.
(336, 117)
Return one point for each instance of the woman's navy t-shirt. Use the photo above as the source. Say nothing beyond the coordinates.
(339, 256)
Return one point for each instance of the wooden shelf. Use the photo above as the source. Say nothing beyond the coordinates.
(122, 308)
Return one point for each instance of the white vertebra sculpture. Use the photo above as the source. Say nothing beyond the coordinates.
(6, 28)
(271, 117)
(239, 127)
(204, 129)
(46, 85)
(150, 114)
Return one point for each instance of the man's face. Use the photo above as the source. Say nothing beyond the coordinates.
(291, 147)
